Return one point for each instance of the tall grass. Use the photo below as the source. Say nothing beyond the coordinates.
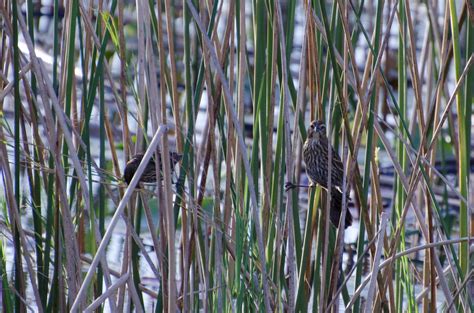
(233, 85)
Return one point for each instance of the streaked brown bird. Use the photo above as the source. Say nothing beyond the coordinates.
(315, 155)
(149, 174)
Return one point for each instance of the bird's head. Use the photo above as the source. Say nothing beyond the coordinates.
(175, 157)
(316, 130)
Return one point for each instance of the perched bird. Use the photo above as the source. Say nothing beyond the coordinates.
(315, 155)
(149, 174)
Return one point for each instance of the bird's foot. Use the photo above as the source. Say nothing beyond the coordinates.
(289, 186)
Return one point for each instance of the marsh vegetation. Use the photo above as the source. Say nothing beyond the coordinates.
(233, 87)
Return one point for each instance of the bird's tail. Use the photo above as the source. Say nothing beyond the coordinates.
(336, 208)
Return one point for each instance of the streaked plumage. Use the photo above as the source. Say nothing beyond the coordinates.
(149, 174)
(315, 154)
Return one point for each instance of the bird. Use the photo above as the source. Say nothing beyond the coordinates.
(315, 155)
(149, 174)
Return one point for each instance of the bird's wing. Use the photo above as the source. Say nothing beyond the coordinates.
(337, 170)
